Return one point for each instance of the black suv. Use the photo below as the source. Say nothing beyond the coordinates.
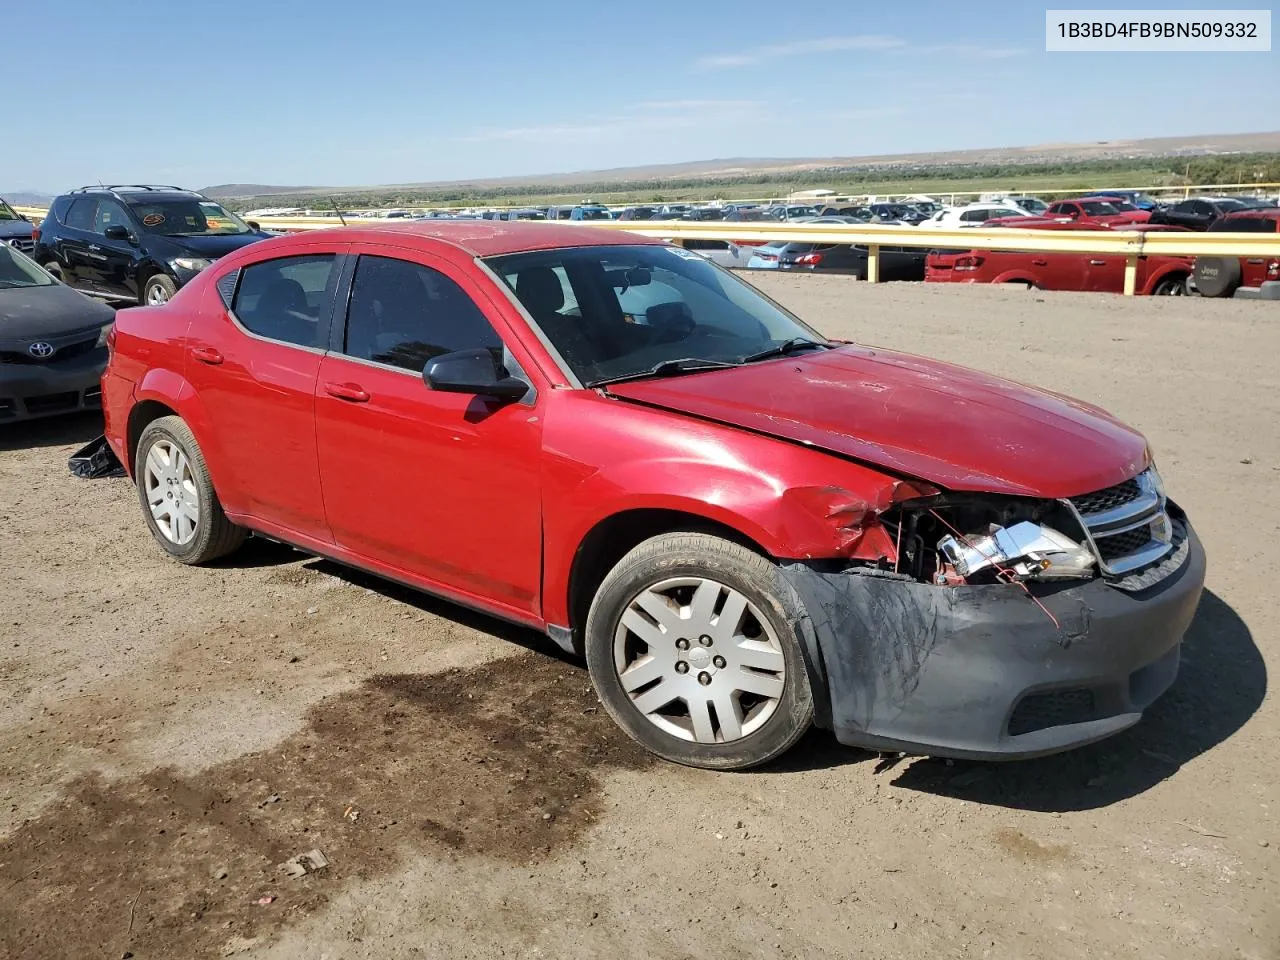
(138, 243)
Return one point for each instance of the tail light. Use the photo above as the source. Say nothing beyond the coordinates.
(1273, 270)
(751, 243)
(810, 259)
(968, 263)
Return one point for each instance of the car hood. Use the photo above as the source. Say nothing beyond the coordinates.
(954, 427)
(28, 312)
(14, 228)
(213, 246)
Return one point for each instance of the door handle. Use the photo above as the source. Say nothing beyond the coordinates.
(207, 355)
(1040, 262)
(94, 247)
(1097, 263)
(347, 391)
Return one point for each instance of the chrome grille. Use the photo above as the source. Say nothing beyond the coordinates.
(1127, 525)
(24, 244)
(1121, 545)
(1108, 499)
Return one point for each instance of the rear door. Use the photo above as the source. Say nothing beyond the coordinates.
(254, 357)
(71, 246)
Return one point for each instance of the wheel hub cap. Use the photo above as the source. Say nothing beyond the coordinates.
(699, 660)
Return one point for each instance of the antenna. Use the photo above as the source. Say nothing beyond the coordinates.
(341, 218)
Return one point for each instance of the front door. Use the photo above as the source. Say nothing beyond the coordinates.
(110, 263)
(444, 487)
(254, 370)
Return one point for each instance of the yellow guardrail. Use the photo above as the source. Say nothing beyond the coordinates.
(1132, 244)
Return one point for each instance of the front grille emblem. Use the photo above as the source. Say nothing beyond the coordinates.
(41, 350)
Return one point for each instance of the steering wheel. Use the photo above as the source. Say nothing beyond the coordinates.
(672, 321)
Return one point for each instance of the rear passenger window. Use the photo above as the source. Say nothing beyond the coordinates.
(404, 314)
(80, 215)
(285, 299)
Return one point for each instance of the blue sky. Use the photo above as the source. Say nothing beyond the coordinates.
(389, 91)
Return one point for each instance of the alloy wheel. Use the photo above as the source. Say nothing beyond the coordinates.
(699, 660)
(171, 492)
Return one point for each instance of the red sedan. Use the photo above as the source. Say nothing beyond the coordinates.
(743, 527)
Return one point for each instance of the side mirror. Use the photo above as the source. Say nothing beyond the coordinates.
(117, 232)
(253, 224)
(471, 371)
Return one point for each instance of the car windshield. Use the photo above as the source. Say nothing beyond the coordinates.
(1123, 206)
(187, 217)
(17, 270)
(7, 212)
(1097, 208)
(622, 311)
(1032, 205)
(594, 213)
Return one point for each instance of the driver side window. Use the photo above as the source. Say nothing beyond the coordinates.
(109, 214)
(403, 314)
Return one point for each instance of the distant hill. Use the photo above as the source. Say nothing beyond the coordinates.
(734, 167)
(25, 198)
(227, 190)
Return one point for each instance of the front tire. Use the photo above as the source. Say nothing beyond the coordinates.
(177, 496)
(158, 290)
(691, 649)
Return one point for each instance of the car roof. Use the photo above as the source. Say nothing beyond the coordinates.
(1253, 213)
(487, 238)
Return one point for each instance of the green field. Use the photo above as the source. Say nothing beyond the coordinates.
(1045, 180)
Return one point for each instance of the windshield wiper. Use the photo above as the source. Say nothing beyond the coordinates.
(784, 348)
(667, 368)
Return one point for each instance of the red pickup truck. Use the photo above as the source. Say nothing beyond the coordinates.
(1160, 275)
(1083, 213)
(1254, 277)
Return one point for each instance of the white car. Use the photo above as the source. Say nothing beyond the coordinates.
(724, 252)
(974, 215)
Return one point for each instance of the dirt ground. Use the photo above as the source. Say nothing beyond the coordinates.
(168, 736)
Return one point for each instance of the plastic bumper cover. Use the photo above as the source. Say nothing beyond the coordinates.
(37, 390)
(980, 672)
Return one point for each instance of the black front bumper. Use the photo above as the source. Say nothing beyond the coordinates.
(982, 672)
(30, 390)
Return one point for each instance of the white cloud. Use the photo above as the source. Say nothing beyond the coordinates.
(777, 51)
(866, 42)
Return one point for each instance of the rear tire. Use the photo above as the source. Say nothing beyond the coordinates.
(179, 503)
(1175, 286)
(158, 290)
(715, 676)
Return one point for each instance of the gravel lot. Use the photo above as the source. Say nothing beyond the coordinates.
(169, 735)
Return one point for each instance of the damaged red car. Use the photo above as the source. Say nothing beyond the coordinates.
(744, 528)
